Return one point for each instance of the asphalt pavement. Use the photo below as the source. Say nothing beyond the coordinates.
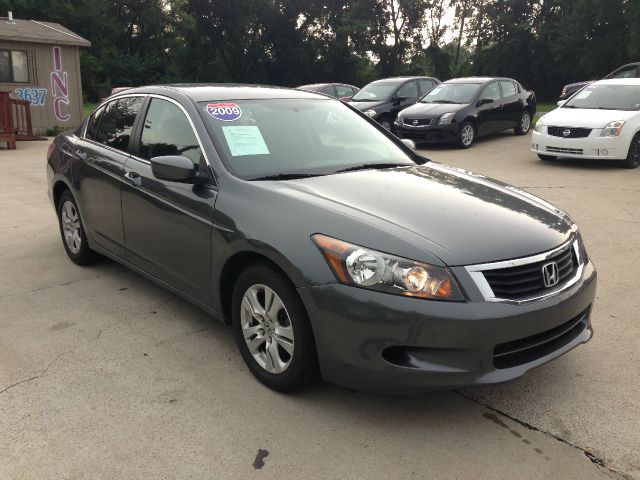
(103, 374)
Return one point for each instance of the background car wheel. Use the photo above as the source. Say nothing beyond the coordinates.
(466, 135)
(524, 125)
(633, 157)
(386, 123)
(546, 158)
(272, 329)
(74, 238)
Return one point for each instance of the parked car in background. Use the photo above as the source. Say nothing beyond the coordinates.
(383, 99)
(115, 90)
(630, 70)
(337, 90)
(602, 122)
(460, 110)
(329, 246)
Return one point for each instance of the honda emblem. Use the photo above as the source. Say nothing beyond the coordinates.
(550, 274)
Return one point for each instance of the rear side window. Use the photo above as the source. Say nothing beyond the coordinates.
(344, 91)
(425, 85)
(328, 90)
(92, 124)
(492, 91)
(628, 72)
(508, 88)
(117, 122)
(167, 131)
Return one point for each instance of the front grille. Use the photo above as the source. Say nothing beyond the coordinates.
(574, 151)
(417, 122)
(413, 135)
(529, 349)
(573, 132)
(523, 281)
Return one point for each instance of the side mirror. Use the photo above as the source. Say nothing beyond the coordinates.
(561, 102)
(485, 101)
(409, 143)
(399, 99)
(173, 168)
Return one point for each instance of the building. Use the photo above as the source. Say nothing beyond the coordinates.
(40, 62)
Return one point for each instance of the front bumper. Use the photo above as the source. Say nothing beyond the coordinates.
(384, 343)
(433, 133)
(593, 147)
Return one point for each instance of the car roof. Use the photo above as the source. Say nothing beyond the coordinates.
(477, 79)
(400, 79)
(224, 91)
(618, 81)
(320, 85)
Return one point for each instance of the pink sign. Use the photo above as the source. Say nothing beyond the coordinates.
(59, 87)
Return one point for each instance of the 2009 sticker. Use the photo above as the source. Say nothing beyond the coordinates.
(226, 112)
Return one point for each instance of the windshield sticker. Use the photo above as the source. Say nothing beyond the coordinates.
(584, 93)
(246, 140)
(226, 112)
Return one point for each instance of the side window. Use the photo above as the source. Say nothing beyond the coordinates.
(425, 85)
(328, 90)
(92, 124)
(492, 91)
(167, 131)
(344, 91)
(508, 88)
(408, 90)
(629, 72)
(117, 122)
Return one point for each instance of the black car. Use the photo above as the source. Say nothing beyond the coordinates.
(630, 70)
(462, 109)
(383, 99)
(342, 91)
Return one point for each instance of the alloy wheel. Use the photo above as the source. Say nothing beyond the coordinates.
(525, 123)
(71, 226)
(467, 135)
(266, 328)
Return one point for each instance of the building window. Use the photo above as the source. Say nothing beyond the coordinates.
(14, 67)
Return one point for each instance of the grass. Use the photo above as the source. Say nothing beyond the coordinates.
(87, 108)
(543, 108)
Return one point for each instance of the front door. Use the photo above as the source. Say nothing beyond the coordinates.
(168, 225)
(489, 113)
(407, 95)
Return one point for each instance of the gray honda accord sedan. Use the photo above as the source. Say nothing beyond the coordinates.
(331, 247)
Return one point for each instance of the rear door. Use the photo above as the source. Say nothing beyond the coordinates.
(512, 105)
(103, 152)
(168, 225)
(489, 114)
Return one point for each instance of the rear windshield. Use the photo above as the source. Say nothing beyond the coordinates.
(452, 93)
(261, 138)
(607, 97)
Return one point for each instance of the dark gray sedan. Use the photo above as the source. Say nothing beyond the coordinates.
(329, 245)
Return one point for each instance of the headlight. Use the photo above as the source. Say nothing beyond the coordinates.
(582, 249)
(370, 113)
(373, 270)
(612, 129)
(539, 128)
(446, 119)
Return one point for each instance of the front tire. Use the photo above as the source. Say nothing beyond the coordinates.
(466, 135)
(524, 125)
(72, 231)
(633, 156)
(272, 329)
(546, 158)
(386, 123)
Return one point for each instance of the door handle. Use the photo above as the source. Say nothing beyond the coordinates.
(134, 178)
(81, 154)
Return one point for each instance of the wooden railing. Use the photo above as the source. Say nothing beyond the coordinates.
(15, 120)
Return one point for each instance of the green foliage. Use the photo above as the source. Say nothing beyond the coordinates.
(542, 43)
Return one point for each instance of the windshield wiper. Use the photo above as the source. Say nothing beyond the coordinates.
(367, 166)
(288, 176)
(443, 101)
(364, 99)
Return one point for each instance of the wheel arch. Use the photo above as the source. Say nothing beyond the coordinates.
(58, 188)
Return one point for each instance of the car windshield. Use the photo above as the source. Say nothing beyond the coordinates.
(290, 138)
(375, 92)
(451, 93)
(607, 97)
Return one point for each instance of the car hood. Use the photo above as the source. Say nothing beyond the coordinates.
(460, 217)
(585, 117)
(362, 106)
(432, 110)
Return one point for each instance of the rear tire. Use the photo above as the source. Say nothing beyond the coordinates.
(546, 158)
(466, 135)
(524, 125)
(272, 329)
(633, 156)
(72, 231)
